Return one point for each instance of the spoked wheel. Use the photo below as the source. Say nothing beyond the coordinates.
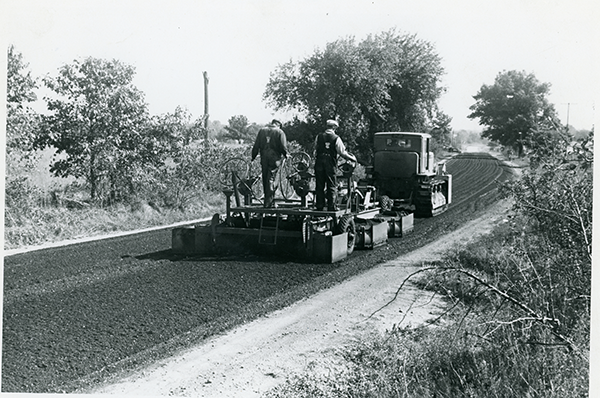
(346, 224)
(291, 166)
(346, 167)
(233, 169)
(300, 158)
(283, 182)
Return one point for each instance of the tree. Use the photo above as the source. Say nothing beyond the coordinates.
(240, 129)
(20, 119)
(514, 108)
(163, 144)
(301, 132)
(97, 119)
(21, 122)
(215, 129)
(168, 134)
(20, 84)
(386, 82)
(192, 173)
(442, 131)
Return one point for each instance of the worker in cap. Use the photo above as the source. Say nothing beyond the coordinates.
(271, 144)
(328, 146)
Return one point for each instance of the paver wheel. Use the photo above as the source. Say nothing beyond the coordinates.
(346, 224)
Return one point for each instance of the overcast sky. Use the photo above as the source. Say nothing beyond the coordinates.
(239, 43)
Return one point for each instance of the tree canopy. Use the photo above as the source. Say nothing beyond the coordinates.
(20, 84)
(389, 81)
(515, 109)
(20, 90)
(240, 129)
(97, 119)
(101, 129)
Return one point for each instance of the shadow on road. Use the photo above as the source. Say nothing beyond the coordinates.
(177, 257)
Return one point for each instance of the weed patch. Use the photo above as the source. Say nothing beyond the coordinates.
(517, 325)
(39, 225)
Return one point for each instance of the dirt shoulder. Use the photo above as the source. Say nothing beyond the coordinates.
(257, 356)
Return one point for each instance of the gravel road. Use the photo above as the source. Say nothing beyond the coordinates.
(79, 316)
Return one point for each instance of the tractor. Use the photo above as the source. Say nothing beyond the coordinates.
(406, 176)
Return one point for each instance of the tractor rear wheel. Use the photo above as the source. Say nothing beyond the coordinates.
(346, 224)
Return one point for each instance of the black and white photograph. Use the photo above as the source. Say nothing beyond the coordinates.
(277, 198)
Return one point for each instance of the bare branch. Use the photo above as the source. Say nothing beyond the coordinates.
(553, 323)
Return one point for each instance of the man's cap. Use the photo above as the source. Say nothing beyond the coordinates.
(332, 123)
(275, 121)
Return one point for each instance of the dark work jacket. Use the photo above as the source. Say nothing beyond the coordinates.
(326, 150)
(271, 144)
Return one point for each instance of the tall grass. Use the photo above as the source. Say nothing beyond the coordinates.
(37, 225)
(441, 363)
(41, 208)
(487, 347)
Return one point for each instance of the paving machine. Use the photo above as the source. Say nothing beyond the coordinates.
(400, 183)
(292, 227)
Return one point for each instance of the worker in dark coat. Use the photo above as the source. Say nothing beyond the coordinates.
(328, 146)
(271, 143)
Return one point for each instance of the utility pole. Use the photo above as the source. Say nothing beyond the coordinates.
(205, 74)
(568, 113)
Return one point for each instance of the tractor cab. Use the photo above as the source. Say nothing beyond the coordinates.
(402, 155)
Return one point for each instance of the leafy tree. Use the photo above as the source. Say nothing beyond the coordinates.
(514, 108)
(240, 129)
(21, 120)
(441, 131)
(162, 144)
(215, 129)
(386, 82)
(20, 85)
(302, 132)
(97, 121)
(192, 173)
(168, 134)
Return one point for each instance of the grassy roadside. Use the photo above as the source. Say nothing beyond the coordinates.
(483, 346)
(39, 226)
